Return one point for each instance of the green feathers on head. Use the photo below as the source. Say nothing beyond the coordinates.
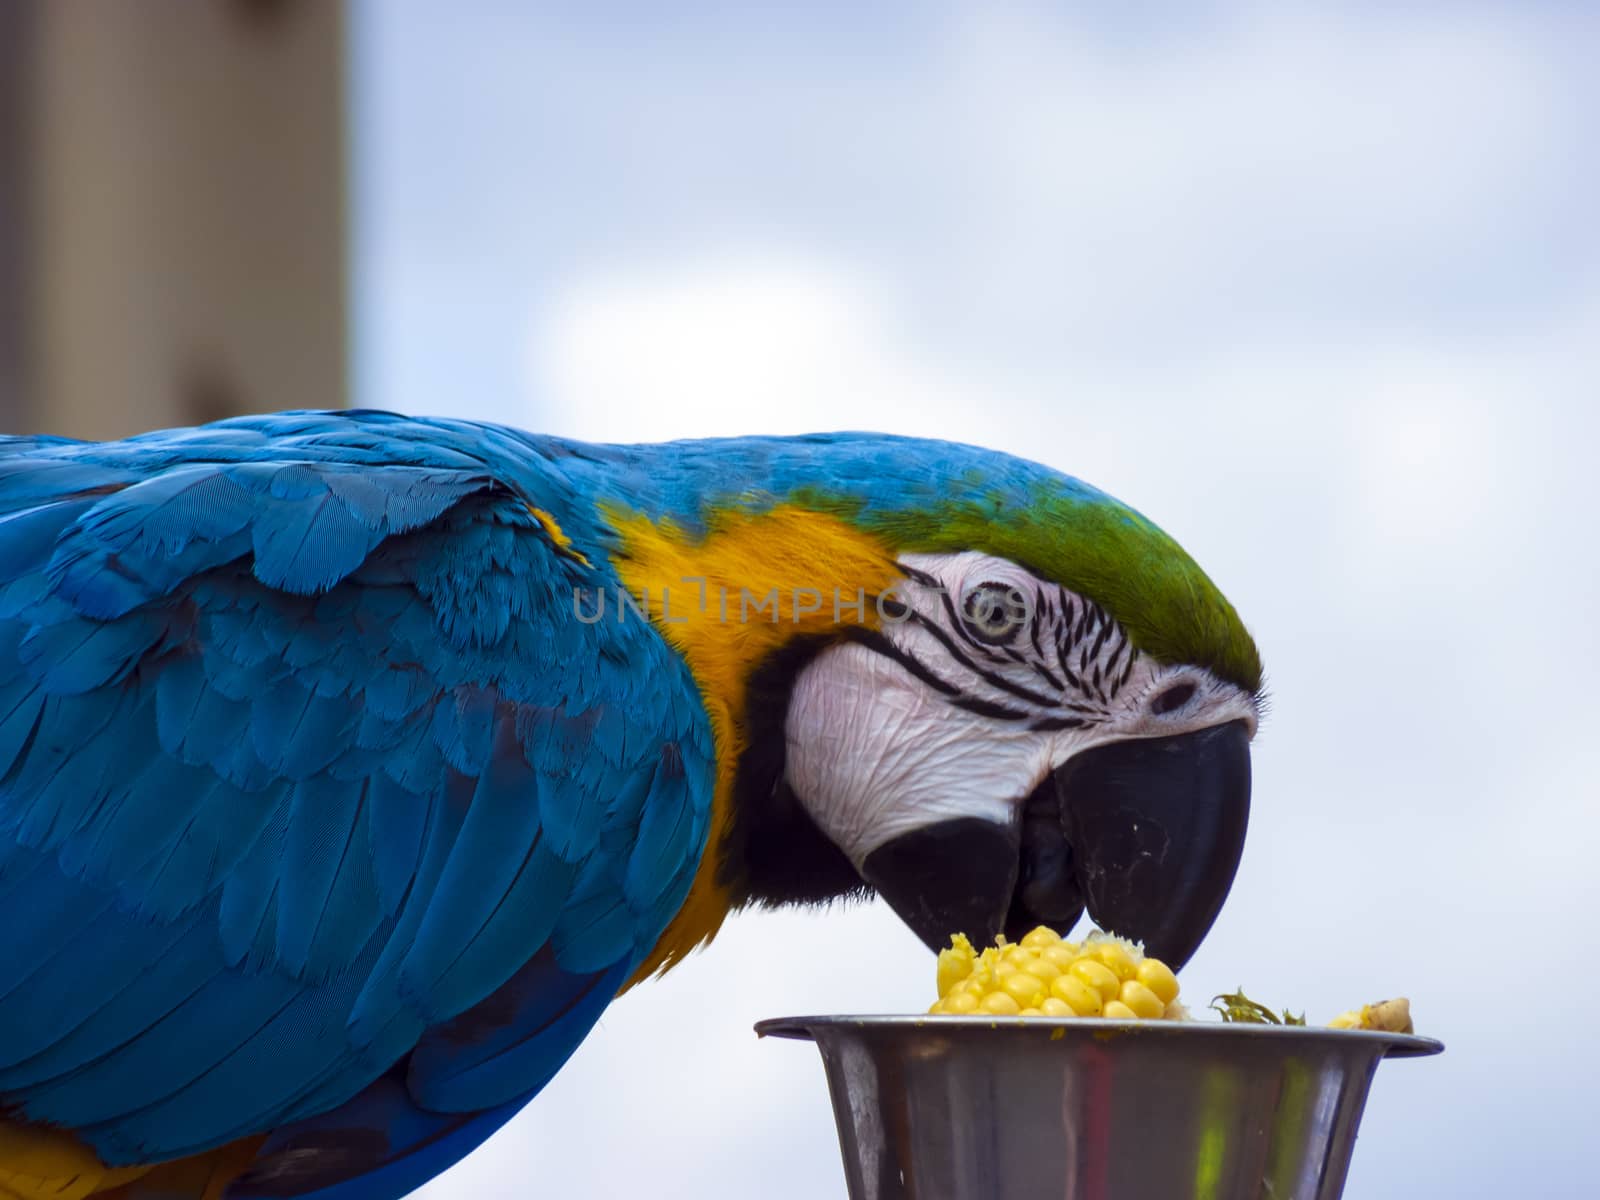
(1099, 548)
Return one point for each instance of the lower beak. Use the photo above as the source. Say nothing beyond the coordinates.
(1147, 833)
(953, 877)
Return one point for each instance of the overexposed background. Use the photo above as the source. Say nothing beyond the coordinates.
(1315, 287)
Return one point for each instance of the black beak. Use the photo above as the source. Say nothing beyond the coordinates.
(953, 877)
(1157, 828)
(1147, 833)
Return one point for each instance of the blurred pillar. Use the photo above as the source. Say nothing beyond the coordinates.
(185, 211)
(16, 25)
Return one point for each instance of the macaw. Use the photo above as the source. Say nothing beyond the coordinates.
(351, 764)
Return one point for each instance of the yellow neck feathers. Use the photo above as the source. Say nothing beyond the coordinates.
(726, 601)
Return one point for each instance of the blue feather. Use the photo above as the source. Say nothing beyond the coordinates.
(76, 656)
(248, 895)
(322, 829)
(490, 911)
(595, 928)
(398, 820)
(124, 1016)
(28, 537)
(55, 1000)
(19, 711)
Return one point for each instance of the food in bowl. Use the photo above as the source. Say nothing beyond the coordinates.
(1045, 975)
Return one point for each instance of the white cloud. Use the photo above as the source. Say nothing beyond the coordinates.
(739, 342)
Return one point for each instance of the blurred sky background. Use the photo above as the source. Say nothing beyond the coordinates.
(1315, 287)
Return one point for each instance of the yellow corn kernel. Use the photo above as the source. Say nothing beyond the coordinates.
(1098, 976)
(1144, 1003)
(1116, 1010)
(1053, 1006)
(976, 986)
(1084, 1000)
(1346, 1020)
(1117, 959)
(1060, 956)
(937, 1009)
(1031, 1012)
(1041, 936)
(1027, 990)
(961, 1004)
(949, 979)
(1043, 968)
(955, 964)
(1021, 957)
(1001, 1004)
(1158, 977)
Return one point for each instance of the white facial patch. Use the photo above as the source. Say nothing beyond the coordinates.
(875, 752)
(969, 696)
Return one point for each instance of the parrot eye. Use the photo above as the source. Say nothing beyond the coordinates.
(994, 612)
(1173, 698)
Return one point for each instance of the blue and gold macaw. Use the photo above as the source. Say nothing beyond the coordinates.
(351, 764)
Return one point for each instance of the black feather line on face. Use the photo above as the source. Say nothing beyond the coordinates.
(879, 644)
(1072, 628)
(1048, 676)
(1040, 610)
(1051, 724)
(999, 682)
(987, 708)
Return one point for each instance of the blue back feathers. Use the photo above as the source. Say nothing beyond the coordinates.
(316, 806)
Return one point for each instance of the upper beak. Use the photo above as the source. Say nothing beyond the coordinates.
(1147, 833)
(1157, 829)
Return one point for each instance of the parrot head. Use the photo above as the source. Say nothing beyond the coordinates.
(999, 753)
(987, 692)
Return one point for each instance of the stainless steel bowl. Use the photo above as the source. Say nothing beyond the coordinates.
(964, 1108)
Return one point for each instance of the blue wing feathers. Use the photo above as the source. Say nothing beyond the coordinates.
(666, 835)
(595, 927)
(323, 815)
(383, 1001)
(493, 1051)
(397, 821)
(54, 1003)
(474, 882)
(383, 1142)
(524, 916)
(19, 716)
(306, 771)
(117, 1015)
(28, 536)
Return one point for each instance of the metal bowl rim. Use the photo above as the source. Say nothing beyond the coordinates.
(1395, 1045)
